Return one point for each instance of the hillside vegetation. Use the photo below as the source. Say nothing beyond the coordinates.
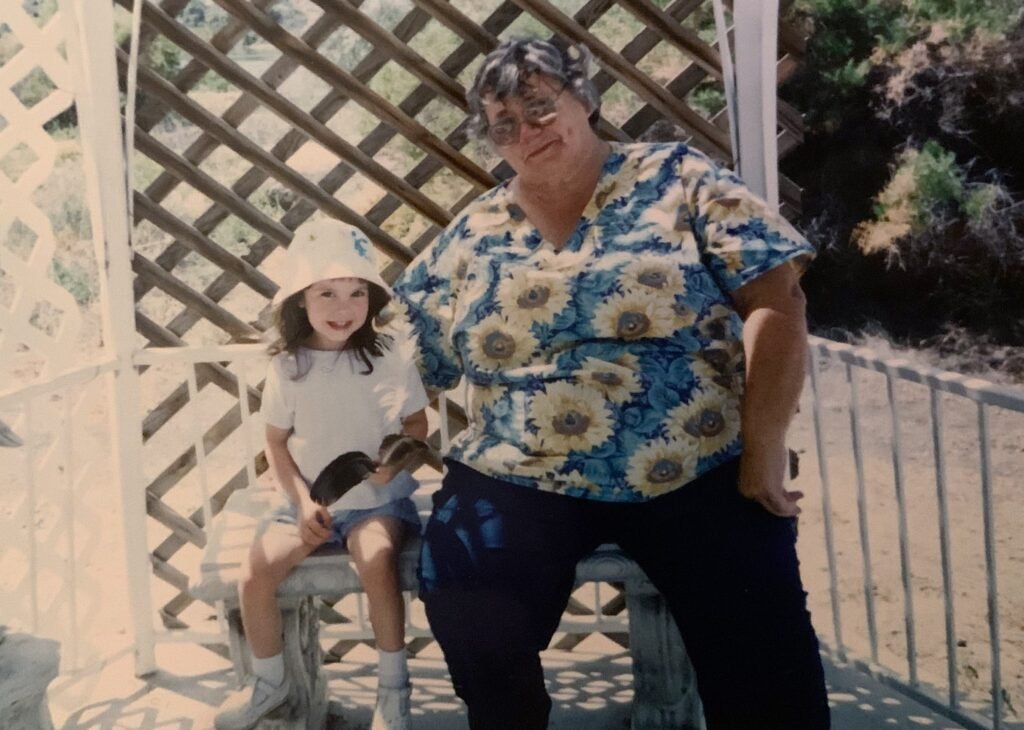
(913, 171)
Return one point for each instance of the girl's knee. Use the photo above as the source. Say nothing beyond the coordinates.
(376, 538)
(380, 567)
(263, 569)
(256, 575)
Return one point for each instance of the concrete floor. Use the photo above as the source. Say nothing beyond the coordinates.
(591, 688)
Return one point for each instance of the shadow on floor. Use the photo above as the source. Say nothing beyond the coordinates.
(591, 690)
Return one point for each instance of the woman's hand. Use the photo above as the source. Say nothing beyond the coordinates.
(762, 478)
(314, 523)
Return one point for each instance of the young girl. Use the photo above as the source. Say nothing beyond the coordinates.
(334, 384)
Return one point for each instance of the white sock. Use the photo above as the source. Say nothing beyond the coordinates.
(270, 669)
(392, 669)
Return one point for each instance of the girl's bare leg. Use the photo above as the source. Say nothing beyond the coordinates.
(274, 553)
(374, 545)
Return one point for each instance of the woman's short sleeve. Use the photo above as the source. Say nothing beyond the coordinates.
(740, 237)
(427, 292)
(278, 404)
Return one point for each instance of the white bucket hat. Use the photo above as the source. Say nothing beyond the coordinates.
(325, 248)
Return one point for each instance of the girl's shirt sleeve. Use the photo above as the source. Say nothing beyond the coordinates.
(739, 236)
(278, 404)
(427, 291)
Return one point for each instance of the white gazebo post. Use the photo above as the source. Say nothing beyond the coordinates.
(751, 92)
(90, 44)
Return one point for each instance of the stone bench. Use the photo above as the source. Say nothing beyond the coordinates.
(665, 693)
(27, 666)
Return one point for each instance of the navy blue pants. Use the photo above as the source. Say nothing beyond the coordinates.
(498, 563)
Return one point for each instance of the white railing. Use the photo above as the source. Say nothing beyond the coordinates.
(837, 394)
(50, 493)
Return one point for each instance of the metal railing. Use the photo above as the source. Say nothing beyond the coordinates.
(965, 391)
(46, 478)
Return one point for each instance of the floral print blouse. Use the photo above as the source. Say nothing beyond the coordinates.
(613, 368)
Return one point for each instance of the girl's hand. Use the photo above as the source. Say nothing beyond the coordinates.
(314, 523)
(382, 475)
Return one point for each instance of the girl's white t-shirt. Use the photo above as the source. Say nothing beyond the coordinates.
(336, 408)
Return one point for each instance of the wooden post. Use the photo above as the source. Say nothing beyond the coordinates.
(757, 27)
(90, 42)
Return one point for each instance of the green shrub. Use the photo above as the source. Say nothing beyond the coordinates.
(926, 190)
(707, 99)
(964, 17)
(849, 36)
(78, 282)
(845, 33)
(983, 201)
(939, 181)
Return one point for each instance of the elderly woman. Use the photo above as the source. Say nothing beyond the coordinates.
(630, 327)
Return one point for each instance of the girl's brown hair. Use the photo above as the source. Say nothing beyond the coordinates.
(293, 328)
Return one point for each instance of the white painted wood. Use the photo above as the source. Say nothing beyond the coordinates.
(76, 376)
(728, 74)
(202, 354)
(756, 34)
(69, 503)
(197, 444)
(29, 272)
(90, 43)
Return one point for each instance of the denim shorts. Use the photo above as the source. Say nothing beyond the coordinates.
(343, 521)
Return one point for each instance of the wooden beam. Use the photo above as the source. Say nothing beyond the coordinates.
(368, 99)
(231, 137)
(205, 184)
(291, 113)
(243, 106)
(676, 34)
(150, 113)
(399, 51)
(188, 296)
(213, 252)
(280, 70)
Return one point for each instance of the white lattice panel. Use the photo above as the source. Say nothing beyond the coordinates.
(29, 290)
(61, 561)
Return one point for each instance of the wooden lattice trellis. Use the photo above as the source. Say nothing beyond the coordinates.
(409, 200)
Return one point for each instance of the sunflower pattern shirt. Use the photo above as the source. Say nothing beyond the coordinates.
(613, 368)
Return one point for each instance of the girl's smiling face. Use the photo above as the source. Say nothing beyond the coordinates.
(336, 308)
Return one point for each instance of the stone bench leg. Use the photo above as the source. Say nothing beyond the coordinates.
(307, 707)
(665, 687)
(27, 666)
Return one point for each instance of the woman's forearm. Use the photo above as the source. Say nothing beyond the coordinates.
(775, 343)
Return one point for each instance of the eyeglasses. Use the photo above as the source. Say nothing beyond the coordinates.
(538, 111)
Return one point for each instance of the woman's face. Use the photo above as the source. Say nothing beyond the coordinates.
(542, 149)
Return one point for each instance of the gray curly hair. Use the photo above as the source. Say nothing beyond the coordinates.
(505, 70)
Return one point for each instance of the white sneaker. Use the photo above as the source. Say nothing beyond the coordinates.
(392, 711)
(244, 710)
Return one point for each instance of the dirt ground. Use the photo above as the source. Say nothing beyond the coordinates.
(959, 437)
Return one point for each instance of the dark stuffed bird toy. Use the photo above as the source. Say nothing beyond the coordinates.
(399, 453)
